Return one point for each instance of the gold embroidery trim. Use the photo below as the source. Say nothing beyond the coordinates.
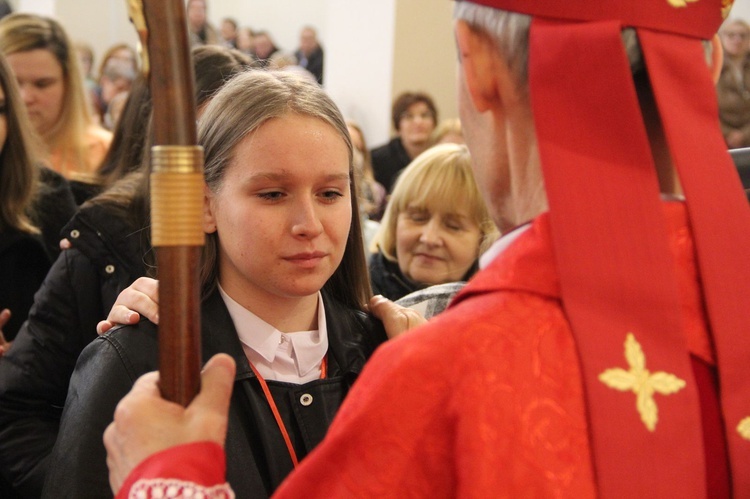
(744, 428)
(680, 3)
(642, 382)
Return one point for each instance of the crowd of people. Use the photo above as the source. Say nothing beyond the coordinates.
(258, 43)
(541, 298)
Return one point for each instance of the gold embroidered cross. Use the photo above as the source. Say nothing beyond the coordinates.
(744, 428)
(641, 381)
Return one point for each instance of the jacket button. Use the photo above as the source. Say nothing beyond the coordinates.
(75, 234)
(306, 399)
(109, 269)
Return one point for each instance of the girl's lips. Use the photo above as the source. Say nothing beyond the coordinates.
(306, 260)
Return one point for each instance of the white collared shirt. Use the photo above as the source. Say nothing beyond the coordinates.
(501, 245)
(292, 357)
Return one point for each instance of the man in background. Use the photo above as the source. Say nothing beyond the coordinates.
(310, 53)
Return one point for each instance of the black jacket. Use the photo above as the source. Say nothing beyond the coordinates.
(313, 63)
(54, 207)
(26, 258)
(386, 278)
(387, 162)
(257, 458)
(23, 265)
(79, 291)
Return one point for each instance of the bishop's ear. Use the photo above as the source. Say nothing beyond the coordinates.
(486, 74)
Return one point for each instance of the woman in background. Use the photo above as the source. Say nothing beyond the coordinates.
(371, 192)
(733, 87)
(47, 69)
(35, 203)
(414, 117)
(434, 228)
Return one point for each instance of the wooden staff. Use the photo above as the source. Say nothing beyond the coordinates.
(176, 192)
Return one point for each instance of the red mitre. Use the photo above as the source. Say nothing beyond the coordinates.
(617, 274)
(694, 18)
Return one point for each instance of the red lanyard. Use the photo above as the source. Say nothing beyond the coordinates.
(275, 410)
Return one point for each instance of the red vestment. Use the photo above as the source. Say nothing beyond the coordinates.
(486, 399)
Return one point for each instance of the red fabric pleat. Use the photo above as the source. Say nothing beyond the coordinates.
(718, 483)
(610, 243)
(720, 218)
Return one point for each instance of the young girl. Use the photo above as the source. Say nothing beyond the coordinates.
(284, 280)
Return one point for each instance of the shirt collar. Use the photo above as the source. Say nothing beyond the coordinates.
(308, 347)
(501, 245)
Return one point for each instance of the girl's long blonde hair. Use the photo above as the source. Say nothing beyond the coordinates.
(19, 174)
(22, 32)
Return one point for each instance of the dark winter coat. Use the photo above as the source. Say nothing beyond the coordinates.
(25, 258)
(78, 292)
(257, 457)
(313, 63)
(387, 162)
(386, 278)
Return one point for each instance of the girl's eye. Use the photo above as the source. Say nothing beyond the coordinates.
(331, 195)
(271, 196)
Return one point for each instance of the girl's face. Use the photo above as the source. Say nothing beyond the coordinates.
(40, 80)
(435, 246)
(282, 212)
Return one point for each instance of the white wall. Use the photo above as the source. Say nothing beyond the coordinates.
(374, 48)
(357, 36)
(359, 63)
(741, 9)
(283, 19)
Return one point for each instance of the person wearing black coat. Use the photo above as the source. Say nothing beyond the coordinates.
(54, 206)
(310, 54)
(23, 265)
(284, 282)
(110, 248)
(110, 365)
(435, 225)
(35, 203)
(414, 117)
(107, 254)
(388, 280)
(26, 257)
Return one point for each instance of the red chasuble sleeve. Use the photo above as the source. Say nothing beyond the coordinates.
(192, 468)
